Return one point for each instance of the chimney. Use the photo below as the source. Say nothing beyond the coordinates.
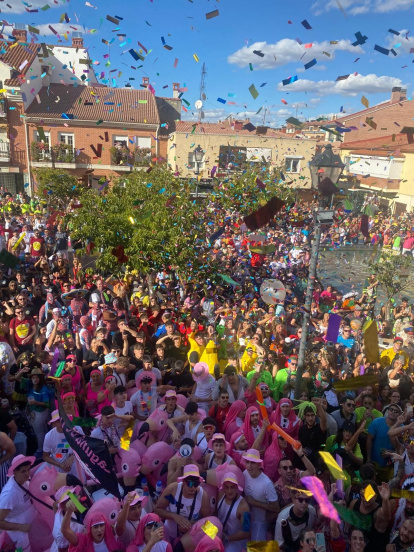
(238, 125)
(20, 32)
(398, 94)
(145, 82)
(77, 40)
(176, 89)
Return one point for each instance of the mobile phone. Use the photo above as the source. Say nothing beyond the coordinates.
(320, 542)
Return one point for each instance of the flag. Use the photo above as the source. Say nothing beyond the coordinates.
(93, 454)
(332, 465)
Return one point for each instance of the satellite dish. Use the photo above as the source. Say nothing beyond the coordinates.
(203, 96)
(199, 104)
(272, 291)
(202, 114)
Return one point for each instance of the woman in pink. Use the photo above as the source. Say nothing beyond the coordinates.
(285, 417)
(110, 384)
(238, 446)
(78, 380)
(94, 393)
(278, 449)
(98, 532)
(207, 544)
(234, 419)
(150, 536)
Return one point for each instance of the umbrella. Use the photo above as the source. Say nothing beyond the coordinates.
(272, 291)
(72, 293)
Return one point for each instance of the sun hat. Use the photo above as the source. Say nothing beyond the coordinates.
(170, 393)
(110, 358)
(55, 417)
(62, 494)
(95, 298)
(398, 339)
(18, 461)
(191, 470)
(137, 498)
(200, 371)
(146, 375)
(218, 437)
(253, 455)
(231, 478)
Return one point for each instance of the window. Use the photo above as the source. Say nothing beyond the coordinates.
(292, 164)
(290, 130)
(45, 69)
(47, 138)
(192, 163)
(67, 139)
(121, 141)
(143, 142)
(232, 157)
(311, 128)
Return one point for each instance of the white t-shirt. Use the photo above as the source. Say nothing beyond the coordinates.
(57, 445)
(59, 540)
(139, 398)
(154, 370)
(13, 498)
(101, 547)
(204, 390)
(121, 411)
(262, 489)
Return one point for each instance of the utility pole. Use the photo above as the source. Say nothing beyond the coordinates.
(202, 91)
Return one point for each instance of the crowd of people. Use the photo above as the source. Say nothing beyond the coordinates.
(191, 387)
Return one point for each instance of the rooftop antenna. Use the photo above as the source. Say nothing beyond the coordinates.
(199, 102)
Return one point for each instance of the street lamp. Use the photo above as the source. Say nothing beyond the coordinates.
(324, 165)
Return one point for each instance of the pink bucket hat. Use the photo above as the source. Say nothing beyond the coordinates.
(201, 371)
(18, 461)
(218, 437)
(191, 470)
(144, 374)
(253, 455)
(231, 478)
(137, 498)
(170, 393)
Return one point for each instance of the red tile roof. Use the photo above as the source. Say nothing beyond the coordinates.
(220, 128)
(392, 145)
(14, 54)
(377, 152)
(89, 103)
(380, 182)
(367, 111)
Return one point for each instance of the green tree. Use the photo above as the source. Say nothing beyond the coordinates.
(394, 274)
(57, 186)
(159, 223)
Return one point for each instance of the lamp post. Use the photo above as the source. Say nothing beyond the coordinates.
(326, 164)
(198, 154)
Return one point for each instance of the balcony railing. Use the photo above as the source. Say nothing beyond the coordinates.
(61, 153)
(140, 157)
(4, 151)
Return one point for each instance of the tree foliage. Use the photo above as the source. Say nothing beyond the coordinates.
(57, 186)
(159, 224)
(394, 273)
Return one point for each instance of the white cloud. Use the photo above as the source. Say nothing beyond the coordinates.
(406, 43)
(17, 6)
(352, 86)
(287, 51)
(356, 7)
(60, 28)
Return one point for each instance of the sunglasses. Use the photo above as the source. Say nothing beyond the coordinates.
(308, 541)
(192, 483)
(394, 410)
(286, 468)
(350, 405)
(302, 500)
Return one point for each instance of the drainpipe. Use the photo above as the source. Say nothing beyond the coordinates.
(156, 142)
(28, 157)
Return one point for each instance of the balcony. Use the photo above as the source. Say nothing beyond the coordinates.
(4, 152)
(61, 156)
(126, 159)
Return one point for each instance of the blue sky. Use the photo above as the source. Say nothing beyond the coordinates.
(226, 43)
